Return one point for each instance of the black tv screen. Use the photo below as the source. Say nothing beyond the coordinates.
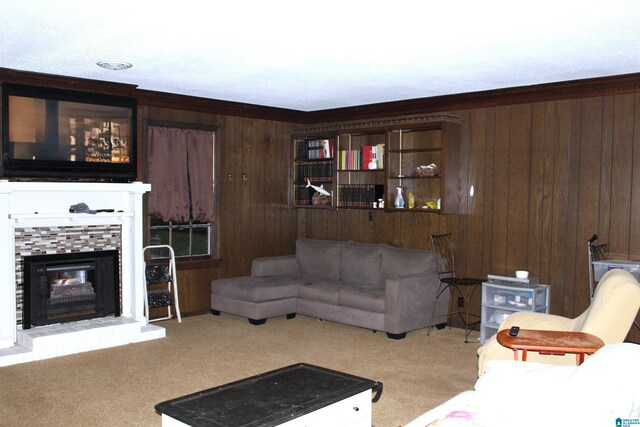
(67, 135)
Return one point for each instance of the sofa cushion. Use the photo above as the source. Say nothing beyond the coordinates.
(398, 262)
(327, 291)
(256, 289)
(320, 258)
(367, 298)
(361, 263)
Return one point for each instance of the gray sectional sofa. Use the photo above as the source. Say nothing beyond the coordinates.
(374, 286)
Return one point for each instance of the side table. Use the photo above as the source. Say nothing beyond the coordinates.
(550, 342)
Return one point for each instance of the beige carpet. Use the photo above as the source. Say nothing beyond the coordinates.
(120, 386)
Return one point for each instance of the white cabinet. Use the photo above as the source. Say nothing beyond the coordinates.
(354, 411)
(499, 300)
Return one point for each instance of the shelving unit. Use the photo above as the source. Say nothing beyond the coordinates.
(370, 160)
(500, 300)
(412, 147)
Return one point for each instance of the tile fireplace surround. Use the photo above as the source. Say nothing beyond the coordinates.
(45, 205)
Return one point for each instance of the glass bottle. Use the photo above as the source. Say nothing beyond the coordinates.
(399, 202)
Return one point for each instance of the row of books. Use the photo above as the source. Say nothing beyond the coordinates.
(304, 196)
(315, 171)
(312, 149)
(367, 157)
(359, 195)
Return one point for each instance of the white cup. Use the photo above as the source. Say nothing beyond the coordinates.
(522, 274)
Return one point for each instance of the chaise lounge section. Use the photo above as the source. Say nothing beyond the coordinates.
(373, 286)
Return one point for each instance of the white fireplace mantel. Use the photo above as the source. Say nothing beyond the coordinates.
(46, 204)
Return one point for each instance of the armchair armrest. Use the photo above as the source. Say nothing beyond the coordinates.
(274, 266)
(492, 350)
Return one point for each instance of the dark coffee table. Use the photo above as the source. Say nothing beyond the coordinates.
(295, 395)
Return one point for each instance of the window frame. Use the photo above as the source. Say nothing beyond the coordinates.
(199, 261)
(170, 226)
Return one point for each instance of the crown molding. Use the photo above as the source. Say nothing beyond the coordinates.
(216, 106)
(585, 88)
(374, 125)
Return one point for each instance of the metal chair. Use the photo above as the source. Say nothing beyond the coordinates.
(595, 253)
(157, 276)
(465, 286)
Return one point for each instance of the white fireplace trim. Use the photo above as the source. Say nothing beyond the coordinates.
(44, 204)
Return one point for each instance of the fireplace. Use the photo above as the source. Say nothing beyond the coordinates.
(35, 221)
(66, 287)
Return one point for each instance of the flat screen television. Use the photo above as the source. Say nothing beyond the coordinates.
(53, 134)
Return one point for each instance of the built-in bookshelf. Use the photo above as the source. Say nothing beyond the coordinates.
(361, 165)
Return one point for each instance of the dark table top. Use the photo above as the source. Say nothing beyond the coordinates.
(267, 399)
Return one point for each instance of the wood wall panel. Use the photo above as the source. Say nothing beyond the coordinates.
(519, 164)
(537, 187)
(622, 172)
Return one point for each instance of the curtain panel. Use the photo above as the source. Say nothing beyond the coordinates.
(181, 174)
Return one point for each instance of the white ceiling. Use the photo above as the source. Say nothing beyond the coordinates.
(324, 54)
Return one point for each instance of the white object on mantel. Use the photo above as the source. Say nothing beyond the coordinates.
(46, 204)
(522, 274)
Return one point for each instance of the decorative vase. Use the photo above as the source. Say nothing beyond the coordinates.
(399, 202)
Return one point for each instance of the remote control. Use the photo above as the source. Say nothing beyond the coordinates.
(514, 330)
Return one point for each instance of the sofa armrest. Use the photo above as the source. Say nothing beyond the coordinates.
(409, 303)
(274, 266)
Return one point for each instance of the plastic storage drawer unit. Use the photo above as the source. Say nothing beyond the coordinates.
(601, 267)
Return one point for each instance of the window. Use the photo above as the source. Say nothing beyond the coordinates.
(187, 239)
(181, 205)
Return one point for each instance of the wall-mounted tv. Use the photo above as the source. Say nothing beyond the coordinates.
(53, 134)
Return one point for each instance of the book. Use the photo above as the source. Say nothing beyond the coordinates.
(368, 157)
(380, 155)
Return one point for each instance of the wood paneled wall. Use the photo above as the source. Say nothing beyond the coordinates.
(255, 215)
(551, 165)
(547, 176)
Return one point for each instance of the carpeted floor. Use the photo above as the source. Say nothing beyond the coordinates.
(120, 386)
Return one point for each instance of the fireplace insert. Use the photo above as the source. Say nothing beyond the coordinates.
(61, 288)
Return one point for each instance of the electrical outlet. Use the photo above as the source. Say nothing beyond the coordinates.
(460, 302)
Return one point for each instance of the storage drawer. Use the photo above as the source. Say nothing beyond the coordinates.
(601, 267)
(514, 298)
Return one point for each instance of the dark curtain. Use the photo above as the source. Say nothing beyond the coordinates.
(181, 174)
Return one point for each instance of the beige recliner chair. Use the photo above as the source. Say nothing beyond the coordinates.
(612, 311)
